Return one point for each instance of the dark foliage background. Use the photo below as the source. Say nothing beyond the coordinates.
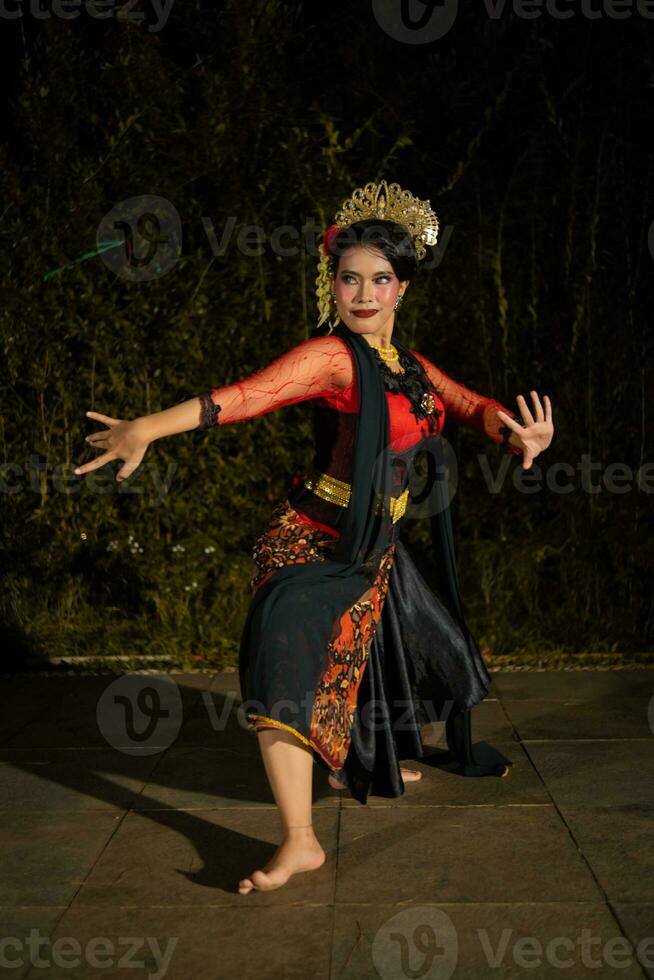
(531, 138)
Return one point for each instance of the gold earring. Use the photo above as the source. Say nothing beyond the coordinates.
(334, 323)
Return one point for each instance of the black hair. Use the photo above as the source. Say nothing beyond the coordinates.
(393, 240)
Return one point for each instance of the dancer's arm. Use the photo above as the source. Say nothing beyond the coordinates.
(466, 407)
(317, 367)
(520, 434)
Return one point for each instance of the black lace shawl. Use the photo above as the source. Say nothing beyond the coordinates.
(412, 381)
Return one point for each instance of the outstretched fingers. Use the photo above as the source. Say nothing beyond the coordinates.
(95, 464)
(107, 419)
(512, 424)
(104, 439)
(524, 410)
(540, 415)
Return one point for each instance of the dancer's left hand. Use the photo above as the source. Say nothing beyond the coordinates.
(536, 434)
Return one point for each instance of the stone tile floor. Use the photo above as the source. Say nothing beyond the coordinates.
(132, 806)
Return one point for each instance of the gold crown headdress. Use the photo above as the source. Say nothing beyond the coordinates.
(385, 201)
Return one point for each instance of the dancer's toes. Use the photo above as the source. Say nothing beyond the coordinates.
(288, 860)
(408, 776)
(263, 881)
(411, 775)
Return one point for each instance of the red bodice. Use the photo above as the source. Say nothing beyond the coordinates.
(322, 370)
(405, 428)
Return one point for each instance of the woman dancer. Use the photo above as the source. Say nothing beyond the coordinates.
(340, 619)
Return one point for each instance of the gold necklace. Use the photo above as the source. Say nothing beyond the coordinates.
(386, 353)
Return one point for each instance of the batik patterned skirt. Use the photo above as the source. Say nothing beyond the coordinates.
(398, 660)
(289, 538)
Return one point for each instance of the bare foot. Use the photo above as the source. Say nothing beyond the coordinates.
(295, 853)
(408, 776)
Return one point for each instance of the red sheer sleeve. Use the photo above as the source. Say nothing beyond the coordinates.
(317, 367)
(468, 408)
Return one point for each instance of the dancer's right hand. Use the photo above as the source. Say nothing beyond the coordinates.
(122, 439)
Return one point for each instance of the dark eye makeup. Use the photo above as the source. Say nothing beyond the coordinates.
(344, 276)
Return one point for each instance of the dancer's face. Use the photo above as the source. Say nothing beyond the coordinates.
(365, 281)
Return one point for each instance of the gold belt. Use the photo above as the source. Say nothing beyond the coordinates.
(338, 492)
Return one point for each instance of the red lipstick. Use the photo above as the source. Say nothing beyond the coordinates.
(365, 313)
